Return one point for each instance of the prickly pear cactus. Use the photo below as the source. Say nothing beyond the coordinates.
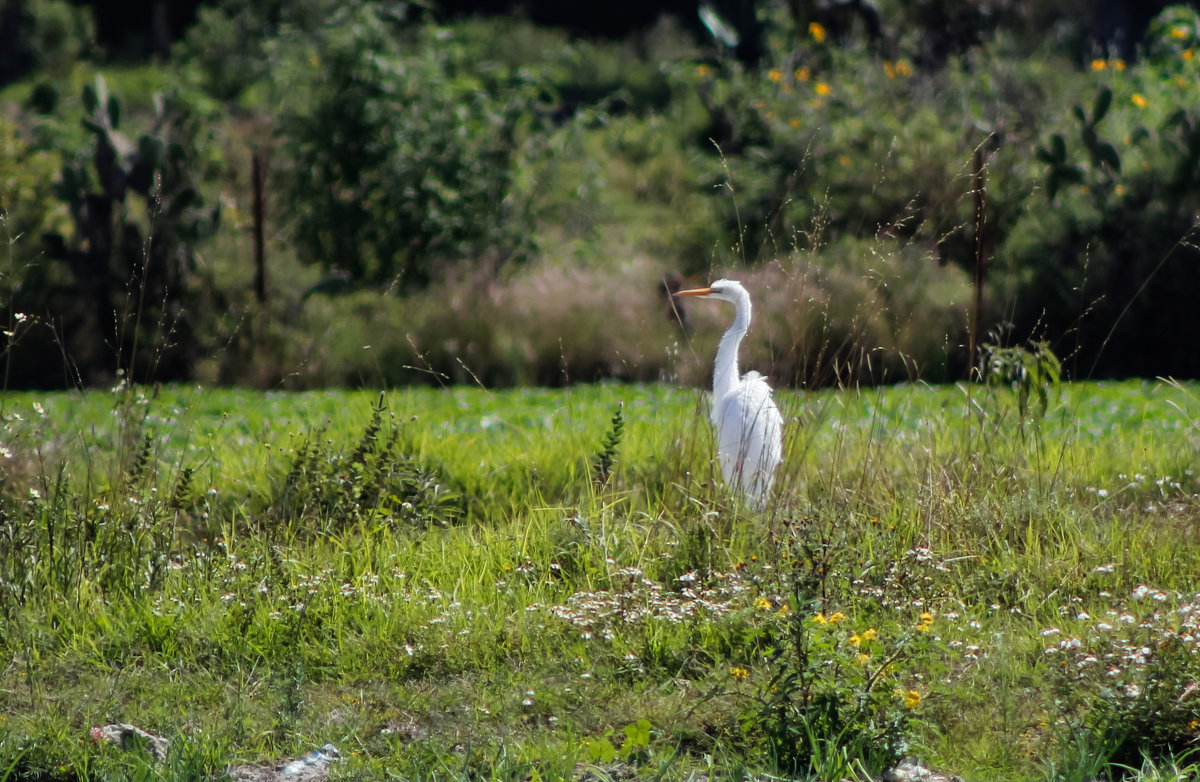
(137, 215)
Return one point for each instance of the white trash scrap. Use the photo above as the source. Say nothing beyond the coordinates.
(313, 767)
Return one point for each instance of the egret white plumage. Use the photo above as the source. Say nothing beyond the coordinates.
(749, 427)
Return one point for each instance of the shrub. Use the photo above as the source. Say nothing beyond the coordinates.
(400, 156)
(49, 35)
(227, 44)
(1102, 260)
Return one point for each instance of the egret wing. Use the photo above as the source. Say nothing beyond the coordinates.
(750, 437)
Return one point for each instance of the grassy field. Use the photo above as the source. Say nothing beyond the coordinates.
(463, 584)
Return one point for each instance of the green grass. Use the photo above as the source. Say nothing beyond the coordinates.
(444, 590)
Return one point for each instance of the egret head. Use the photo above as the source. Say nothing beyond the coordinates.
(725, 290)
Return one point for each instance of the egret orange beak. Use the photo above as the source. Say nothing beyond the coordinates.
(694, 292)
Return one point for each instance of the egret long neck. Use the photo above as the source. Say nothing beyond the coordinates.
(725, 375)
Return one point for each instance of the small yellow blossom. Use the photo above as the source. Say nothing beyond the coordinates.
(863, 659)
(803, 74)
(786, 608)
(903, 68)
(912, 699)
(762, 604)
(822, 88)
(889, 69)
(844, 160)
(1119, 190)
(775, 74)
(926, 617)
(820, 619)
(1119, 64)
(836, 618)
(794, 122)
(817, 31)
(1099, 65)
(1182, 82)
(1178, 32)
(738, 672)
(702, 71)
(1139, 100)
(870, 634)
(856, 639)
(1189, 54)
(314, 60)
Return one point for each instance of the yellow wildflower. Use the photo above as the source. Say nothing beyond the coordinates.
(1139, 100)
(738, 672)
(870, 634)
(794, 122)
(762, 604)
(1119, 190)
(912, 699)
(817, 31)
(864, 658)
(889, 69)
(856, 639)
(803, 74)
(822, 88)
(844, 160)
(701, 71)
(1119, 64)
(1178, 32)
(1189, 54)
(785, 609)
(903, 68)
(837, 617)
(775, 74)
(820, 619)
(314, 60)
(1099, 65)
(926, 617)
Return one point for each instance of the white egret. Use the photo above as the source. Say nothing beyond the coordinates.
(749, 427)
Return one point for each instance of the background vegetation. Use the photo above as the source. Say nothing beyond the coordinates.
(450, 195)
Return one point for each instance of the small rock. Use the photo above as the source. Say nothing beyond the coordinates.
(130, 737)
(911, 771)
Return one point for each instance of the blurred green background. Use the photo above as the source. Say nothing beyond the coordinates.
(501, 193)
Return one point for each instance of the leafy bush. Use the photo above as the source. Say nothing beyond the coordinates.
(400, 155)
(227, 44)
(1103, 260)
(50, 35)
(27, 207)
